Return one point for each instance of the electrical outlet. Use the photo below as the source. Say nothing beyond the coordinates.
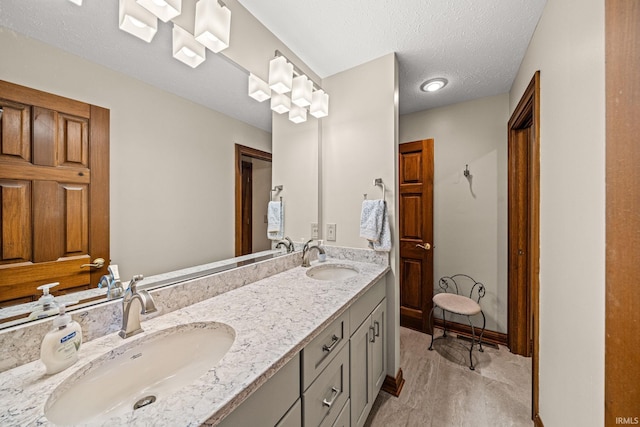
(331, 232)
(314, 230)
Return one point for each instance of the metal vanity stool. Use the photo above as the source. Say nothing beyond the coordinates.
(450, 300)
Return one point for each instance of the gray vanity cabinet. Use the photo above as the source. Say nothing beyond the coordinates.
(275, 403)
(368, 354)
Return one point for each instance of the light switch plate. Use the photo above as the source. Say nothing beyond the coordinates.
(314, 230)
(331, 232)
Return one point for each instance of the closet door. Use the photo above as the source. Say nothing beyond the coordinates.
(54, 194)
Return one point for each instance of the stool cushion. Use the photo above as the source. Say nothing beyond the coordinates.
(456, 304)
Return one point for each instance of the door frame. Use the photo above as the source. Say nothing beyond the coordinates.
(240, 151)
(622, 300)
(527, 115)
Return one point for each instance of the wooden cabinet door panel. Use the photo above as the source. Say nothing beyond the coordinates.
(15, 137)
(15, 221)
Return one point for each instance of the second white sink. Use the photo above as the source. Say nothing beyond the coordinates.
(137, 374)
(331, 272)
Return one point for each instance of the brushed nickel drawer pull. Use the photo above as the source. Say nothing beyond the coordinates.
(329, 348)
(376, 324)
(334, 395)
(372, 331)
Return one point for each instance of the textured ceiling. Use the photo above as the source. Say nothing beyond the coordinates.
(476, 45)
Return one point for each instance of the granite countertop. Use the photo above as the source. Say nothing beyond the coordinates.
(273, 318)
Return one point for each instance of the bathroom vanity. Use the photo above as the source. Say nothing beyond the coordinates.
(305, 350)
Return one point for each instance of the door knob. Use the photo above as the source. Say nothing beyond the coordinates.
(426, 246)
(97, 263)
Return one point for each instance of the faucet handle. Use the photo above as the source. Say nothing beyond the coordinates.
(133, 283)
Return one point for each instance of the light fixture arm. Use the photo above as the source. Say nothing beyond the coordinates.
(297, 71)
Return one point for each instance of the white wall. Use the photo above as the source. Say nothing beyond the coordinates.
(568, 49)
(359, 139)
(470, 221)
(172, 161)
(295, 167)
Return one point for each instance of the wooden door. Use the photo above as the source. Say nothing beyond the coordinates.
(54, 191)
(247, 208)
(416, 233)
(519, 319)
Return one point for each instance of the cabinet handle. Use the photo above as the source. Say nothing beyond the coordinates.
(334, 394)
(373, 334)
(329, 348)
(376, 324)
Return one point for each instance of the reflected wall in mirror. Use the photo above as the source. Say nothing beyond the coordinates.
(172, 190)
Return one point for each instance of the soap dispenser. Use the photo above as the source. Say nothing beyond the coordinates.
(47, 305)
(61, 344)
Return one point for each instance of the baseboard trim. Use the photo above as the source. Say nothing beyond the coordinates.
(537, 421)
(465, 330)
(393, 385)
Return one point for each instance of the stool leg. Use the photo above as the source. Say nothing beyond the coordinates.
(433, 332)
(484, 322)
(473, 340)
(444, 321)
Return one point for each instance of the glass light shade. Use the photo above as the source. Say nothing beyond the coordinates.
(258, 88)
(136, 20)
(78, 2)
(280, 75)
(163, 9)
(301, 91)
(319, 104)
(298, 114)
(186, 48)
(213, 25)
(280, 103)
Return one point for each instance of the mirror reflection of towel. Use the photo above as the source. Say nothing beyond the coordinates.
(275, 221)
(374, 225)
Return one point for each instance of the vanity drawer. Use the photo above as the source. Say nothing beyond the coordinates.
(344, 419)
(321, 351)
(325, 398)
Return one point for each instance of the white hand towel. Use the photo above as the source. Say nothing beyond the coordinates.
(371, 219)
(275, 221)
(374, 225)
(383, 244)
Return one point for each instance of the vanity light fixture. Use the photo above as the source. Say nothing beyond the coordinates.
(298, 114)
(280, 75)
(186, 48)
(163, 9)
(213, 24)
(433, 85)
(78, 2)
(301, 91)
(280, 103)
(319, 104)
(136, 20)
(258, 88)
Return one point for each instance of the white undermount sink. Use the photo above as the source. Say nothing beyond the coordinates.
(137, 374)
(331, 272)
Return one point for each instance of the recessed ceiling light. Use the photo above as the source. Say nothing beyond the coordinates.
(433, 85)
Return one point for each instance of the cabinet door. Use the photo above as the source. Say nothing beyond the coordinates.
(379, 346)
(361, 398)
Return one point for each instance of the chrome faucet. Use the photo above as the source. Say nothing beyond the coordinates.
(306, 250)
(112, 282)
(287, 243)
(131, 320)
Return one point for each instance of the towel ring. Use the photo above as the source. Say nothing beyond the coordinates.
(378, 182)
(277, 189)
